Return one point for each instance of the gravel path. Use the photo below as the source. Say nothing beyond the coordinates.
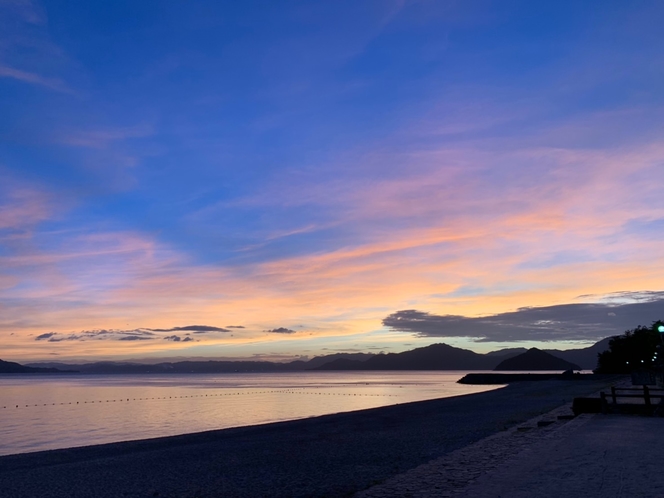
(330, 456)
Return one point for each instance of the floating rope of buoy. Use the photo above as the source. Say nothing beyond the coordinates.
(240, 393)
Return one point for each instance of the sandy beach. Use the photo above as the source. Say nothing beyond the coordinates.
(330, 456)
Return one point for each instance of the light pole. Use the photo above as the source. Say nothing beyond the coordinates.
(660, 359)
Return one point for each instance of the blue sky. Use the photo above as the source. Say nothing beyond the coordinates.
(319, 167)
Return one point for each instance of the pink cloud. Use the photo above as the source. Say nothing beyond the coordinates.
(23, 206)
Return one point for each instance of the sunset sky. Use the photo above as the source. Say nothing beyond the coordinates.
(282, 178)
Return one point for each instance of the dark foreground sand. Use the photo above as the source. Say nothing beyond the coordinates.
(331, 456)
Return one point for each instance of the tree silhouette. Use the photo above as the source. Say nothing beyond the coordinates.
(635, 349)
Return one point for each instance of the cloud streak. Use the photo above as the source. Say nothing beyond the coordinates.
(88, 335)
(100, 139)
(129, 335)
(196, 329)
(54, 84)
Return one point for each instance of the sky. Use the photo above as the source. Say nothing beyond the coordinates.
(283, 179)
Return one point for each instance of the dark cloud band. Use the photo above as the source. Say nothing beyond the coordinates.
(281, 330)
(177, 338)
(196, 329)
(584, 321)
(130, 335)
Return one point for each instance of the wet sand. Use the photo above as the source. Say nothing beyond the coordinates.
(330, 456)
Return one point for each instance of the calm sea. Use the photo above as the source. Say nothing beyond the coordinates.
(48, 412)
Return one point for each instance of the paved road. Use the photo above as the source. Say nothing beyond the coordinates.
(605, 456)
(592, 456)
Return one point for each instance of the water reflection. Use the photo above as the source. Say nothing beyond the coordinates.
(38, 413)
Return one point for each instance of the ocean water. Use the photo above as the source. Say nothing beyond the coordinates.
(49, 412)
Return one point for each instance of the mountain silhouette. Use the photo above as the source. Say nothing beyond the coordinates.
(586, 358)
(536, 359)
(434, 357)
(11, 367)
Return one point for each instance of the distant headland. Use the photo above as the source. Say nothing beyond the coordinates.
(10, 367)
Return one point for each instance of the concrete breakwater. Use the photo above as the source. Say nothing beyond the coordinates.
(508, 378)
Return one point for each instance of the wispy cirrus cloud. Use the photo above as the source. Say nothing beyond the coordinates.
(22, 207)
(102, 138)
(26, 10)
(25, 41)
(51, 83)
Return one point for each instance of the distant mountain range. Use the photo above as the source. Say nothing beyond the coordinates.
(201, 366)
(434, 357)
(586, 358)
(445, 357)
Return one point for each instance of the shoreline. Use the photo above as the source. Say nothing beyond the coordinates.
(331, 455)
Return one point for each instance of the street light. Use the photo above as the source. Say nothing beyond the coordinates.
(660, 374)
